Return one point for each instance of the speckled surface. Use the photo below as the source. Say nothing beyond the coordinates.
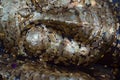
(80, 39)
(59, 32)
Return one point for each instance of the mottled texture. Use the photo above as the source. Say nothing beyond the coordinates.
(85, 32)
(34, 71)
(62, 32)
(69, 35)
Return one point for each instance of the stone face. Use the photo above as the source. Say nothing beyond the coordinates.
(59, 31)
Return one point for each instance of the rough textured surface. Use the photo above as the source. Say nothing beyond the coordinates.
(28, 69)
(18, 70)
(59, 31)
(72, 33)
